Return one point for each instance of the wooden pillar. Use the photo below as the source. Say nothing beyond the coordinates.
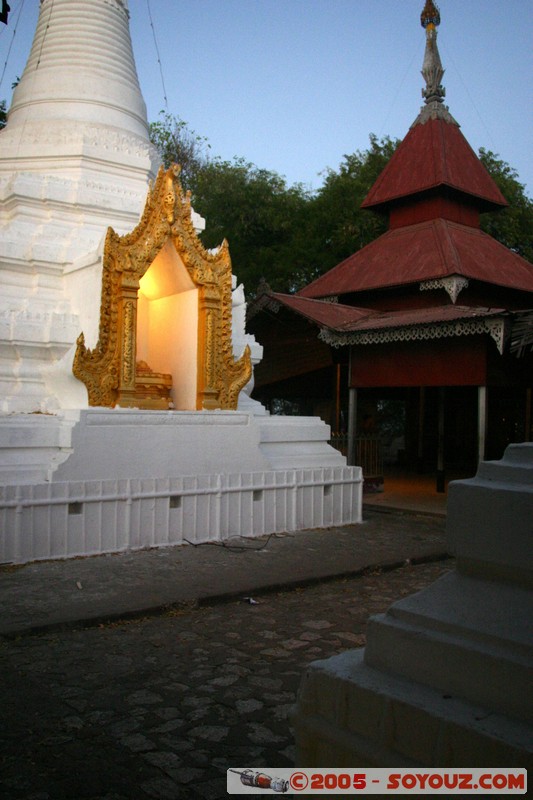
(338, 399)
(440, 443)
(481, 422)
(421, 414)
(527, 425)
(352, 426)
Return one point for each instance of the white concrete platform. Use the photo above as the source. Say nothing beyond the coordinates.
(102, 480)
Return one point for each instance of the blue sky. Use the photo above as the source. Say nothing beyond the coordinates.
(293, 85)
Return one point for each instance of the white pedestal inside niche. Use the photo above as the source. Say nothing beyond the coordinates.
(445, 679)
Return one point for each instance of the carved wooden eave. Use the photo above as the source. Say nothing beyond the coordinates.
(109, 370)
(496, 327)
(452, 284)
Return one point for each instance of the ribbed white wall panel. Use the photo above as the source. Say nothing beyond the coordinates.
(66, 519)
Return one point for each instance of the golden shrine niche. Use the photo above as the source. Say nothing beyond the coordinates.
(165, 315)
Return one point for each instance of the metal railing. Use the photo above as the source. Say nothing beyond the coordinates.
(368, 452)
(340, 442)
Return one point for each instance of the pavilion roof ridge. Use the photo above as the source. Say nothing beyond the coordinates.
(434, 155)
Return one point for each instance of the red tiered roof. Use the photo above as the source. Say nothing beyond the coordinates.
(434, 154)
(332, 315)
(426, 251)
(350, 319)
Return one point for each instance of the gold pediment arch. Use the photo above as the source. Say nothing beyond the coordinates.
(114, 372)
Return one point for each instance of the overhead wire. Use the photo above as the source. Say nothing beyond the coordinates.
(11, 43)
(392, 104)
(157, 51)
(449, 57)
(44, 34)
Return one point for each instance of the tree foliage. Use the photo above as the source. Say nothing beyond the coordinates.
(335, 225)
(3, 114)
(178, 144)
(259, 215)
(513, 226)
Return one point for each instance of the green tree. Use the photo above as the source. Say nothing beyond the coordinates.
(252, 208)
(513, 226)
(178, 144)
(335, 225)
(285, 234)
(257, 213)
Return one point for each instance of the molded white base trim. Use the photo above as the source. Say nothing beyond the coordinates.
(75, 518)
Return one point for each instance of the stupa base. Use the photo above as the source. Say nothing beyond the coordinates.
(444, 680)
(105, 480)
(353, 715)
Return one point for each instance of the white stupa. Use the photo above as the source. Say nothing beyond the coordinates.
(75, 157)
(111, 316)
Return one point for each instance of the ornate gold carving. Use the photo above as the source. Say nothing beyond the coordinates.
(209, 349)
(128, 357)
(109, 371)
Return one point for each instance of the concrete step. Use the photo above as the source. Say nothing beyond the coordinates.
(297, 442)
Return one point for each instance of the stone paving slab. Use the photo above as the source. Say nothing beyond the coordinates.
(44, 595)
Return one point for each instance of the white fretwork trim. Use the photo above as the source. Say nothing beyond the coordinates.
(272, 305)
(496, 328)
(262, 303)
(454, 285)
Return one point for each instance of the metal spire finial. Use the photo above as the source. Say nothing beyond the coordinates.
(430, 15)
(432, 70)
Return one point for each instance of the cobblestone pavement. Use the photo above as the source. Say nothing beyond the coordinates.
(160, 707)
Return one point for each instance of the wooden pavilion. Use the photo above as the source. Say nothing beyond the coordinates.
(417, 331)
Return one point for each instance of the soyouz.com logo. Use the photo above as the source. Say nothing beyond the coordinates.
(483, 781)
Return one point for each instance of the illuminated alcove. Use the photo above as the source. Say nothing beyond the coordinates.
(165, 315)
(167, 325)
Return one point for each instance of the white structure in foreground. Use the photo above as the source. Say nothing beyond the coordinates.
(445, 678)
(78, 473)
